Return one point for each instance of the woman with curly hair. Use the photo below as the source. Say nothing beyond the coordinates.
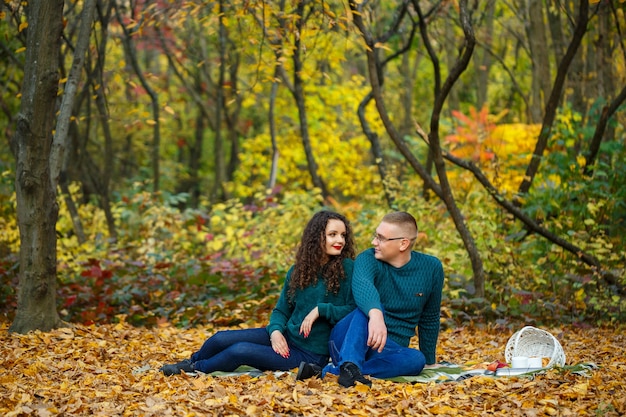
(317, 294)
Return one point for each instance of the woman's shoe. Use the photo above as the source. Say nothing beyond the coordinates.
(308, 370)
(176, 368)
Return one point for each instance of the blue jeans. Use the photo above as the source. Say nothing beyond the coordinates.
(348, 343)
(227, 350)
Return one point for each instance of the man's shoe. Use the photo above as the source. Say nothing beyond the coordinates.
(350, 374)
(308, 370)
(176, 368)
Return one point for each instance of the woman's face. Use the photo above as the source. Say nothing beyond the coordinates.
(335, 237)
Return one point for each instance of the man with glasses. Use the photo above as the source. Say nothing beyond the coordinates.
(396, 290)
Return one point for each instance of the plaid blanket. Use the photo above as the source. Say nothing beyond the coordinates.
(441, 372)
(447, 372)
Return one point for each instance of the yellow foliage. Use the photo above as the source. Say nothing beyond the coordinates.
(501, 151)
(340, 150)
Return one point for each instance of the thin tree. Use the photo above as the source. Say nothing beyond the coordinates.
(555, 97)
(442, 189)
(131, 53)
(299, 95)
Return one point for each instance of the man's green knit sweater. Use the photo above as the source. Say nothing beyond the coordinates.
(288, 314)
(409, 296)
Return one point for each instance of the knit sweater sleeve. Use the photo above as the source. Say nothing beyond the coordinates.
(366, 295)
(428, 326)
(283, 309)
(335, 311)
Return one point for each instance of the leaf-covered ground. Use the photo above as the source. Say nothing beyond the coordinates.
(112, 370)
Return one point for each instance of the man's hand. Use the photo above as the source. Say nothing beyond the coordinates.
(279, 344)
(376, 330)
(307, 323)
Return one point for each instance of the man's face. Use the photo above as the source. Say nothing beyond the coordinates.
(387, 241)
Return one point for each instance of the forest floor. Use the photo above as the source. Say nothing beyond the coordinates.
(112, 370)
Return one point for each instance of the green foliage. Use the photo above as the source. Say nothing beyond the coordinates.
(175, 264)
(528, 277)
(179, 266)
(586, 209)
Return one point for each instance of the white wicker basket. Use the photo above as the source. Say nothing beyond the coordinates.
(530, 341)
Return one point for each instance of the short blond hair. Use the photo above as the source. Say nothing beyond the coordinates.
(404, 220)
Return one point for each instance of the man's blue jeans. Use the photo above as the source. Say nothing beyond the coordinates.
(348, 343)
(229, 349)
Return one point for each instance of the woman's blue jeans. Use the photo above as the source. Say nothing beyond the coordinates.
(348, 343)
(227, 350)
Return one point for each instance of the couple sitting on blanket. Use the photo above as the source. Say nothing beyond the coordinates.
(393, 288)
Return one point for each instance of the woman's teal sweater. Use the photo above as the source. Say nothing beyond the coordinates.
(288, 314)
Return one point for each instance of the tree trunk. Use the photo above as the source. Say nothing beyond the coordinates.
(37, 208)
(482, 59)
(377, 151)
(556, 29)
(217, 191)
(435, 143)
(232, 101)
(454, 103)
(606, 77)
(408, 74)
(576, 77)
(103, 180)
(298, 94)
(131, 55)
(555, 97)
(195, 156)
(59, 157)
(60, 139)
(601, 127)
(538, 44)
(271, 183)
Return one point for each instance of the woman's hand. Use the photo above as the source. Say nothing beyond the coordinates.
(279, 344)
(307, 323)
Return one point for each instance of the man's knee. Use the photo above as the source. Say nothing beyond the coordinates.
(415, 361)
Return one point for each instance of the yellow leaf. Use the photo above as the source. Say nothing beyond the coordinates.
(550, 411)
(442, 409)
(22, 26)
(382, 46)
(19, 50)
(581, 388)
(362, 388)
(150, 122)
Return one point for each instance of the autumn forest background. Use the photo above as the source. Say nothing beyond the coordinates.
(161, 158)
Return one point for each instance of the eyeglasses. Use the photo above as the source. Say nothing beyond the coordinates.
(383, 239)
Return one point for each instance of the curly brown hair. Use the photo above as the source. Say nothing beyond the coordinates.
(311, 253)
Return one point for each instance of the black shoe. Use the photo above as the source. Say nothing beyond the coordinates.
(308, 370)
(350, 374)
(177, 368)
